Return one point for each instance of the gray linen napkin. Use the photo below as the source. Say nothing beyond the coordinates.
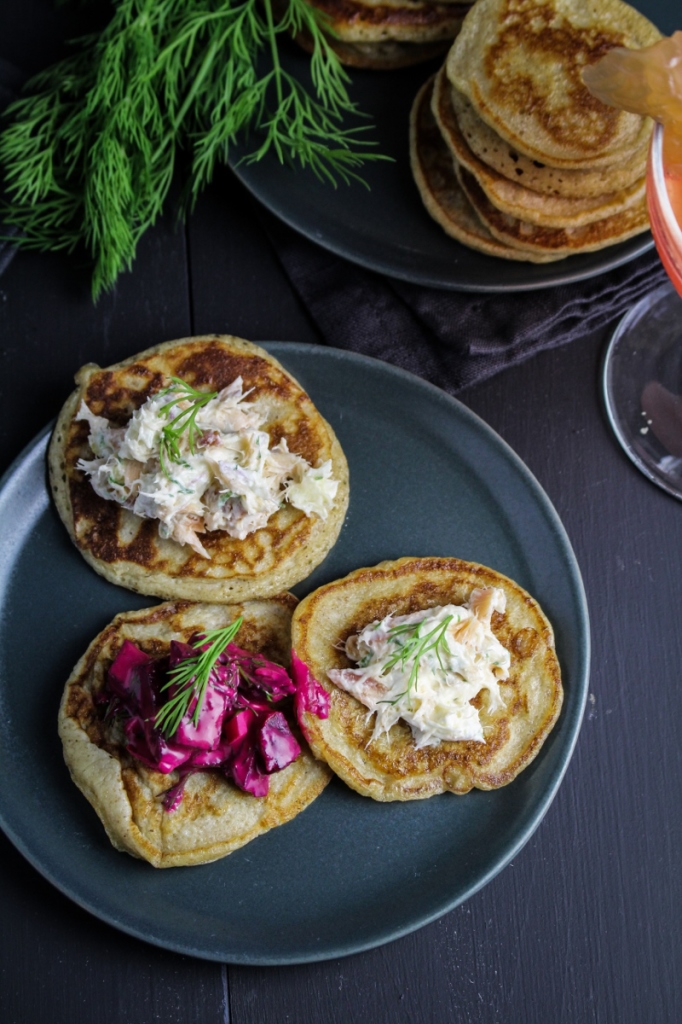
(453, 339)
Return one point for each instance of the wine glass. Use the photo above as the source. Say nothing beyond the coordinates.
(642, 375)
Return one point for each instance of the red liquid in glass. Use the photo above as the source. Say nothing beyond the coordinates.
(667, 230)
(649, 81)
(672, 167)
(674, 185)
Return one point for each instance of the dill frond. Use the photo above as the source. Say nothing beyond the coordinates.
(189, 679)
(88, 154)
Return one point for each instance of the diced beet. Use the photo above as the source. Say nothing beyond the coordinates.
(171, 757)
(237, 726)
(310, 696)
(206, 733)
(247, 773)
(274, 680)
(234, 653)
(150, 747)
(134, 680)
(213, 758)
(180, 652)
(148, 688)
(267, 676)
(237, 729)
(123, 676)
(245, 699)
(172, 798)
(136, 741)
(225, 677)
(277, 743)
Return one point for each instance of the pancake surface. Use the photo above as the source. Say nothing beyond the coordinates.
(520, 63)
(388, 55)
(214, 817)
(362, 21)
(128, 550)
(529, 237)
(515, 199)
(392, 767)
(540, 177)
(434, 173)
(384, 35)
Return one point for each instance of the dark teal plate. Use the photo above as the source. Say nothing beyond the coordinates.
(427, 478)
(385, 227)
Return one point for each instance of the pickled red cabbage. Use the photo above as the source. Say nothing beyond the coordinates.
(311, 697)
(238, 730)
(278, 745)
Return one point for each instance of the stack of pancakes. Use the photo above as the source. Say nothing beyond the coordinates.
(511, 153)
(387, 34)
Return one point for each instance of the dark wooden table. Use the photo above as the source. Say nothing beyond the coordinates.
(584, 924)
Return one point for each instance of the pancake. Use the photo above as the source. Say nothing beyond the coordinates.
(385, 56)
(391, 767)
(527, 237)
(127, 549)
(361, 21)
(520, 64)
(553, 181)
(513, 198)
(384, 35)
(441, 193)
(214, 817)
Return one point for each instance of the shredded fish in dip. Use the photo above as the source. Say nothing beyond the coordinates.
(232, 481)
(427, 667)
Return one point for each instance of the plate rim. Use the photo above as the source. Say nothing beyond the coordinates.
(381, 937)
(620, 252)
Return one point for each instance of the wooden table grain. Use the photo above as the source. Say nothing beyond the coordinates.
(583, 925)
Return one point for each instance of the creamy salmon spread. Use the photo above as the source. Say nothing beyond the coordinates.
(425, 668)
(217, 472)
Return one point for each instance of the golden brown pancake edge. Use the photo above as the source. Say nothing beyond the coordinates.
(127, 550)
(515, 199)
(391, 767)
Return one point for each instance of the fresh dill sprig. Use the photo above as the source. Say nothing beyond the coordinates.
(413, 647)
(89, 152)
(184, 421)
(190, 678)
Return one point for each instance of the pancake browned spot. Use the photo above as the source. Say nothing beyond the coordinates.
(127, 549)
(553, 41)
(214, 817)
(391, 766)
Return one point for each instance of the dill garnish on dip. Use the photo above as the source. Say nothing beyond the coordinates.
(426, 667)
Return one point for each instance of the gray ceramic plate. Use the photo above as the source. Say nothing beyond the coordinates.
(427, 478)
(386, 228)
